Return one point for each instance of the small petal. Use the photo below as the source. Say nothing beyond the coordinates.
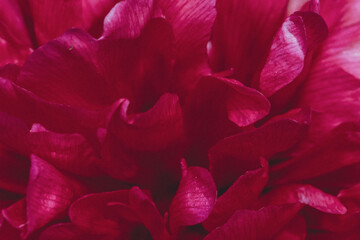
(128, 18)
(234, 155)
(49, 194)
(300, 33)
(16, 214)
(305, 194)
(261, 224)
(240, 195)
(148, 214)
(194, 199)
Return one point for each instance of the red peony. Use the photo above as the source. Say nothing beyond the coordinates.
(164, 119)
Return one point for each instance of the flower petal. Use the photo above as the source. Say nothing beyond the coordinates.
(300, 33)
(192, 21)
(261, 224)
(16, 214)
(242, 34)
(66, 231)
(294, 230)
(305, 194)
(153, 130)
(148, 214)
(14, 171)
(15, 42)
(338, 149)
(49, 194)
(128, 18)
(97, 214)
(234, 155)
(69, 152)
(194, 199)
(218, 106)
(47, 14)
(333, 83)
(240, 195)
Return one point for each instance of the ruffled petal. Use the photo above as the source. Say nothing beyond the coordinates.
(248, 186)
(242, 34)
(69, 152)
(15, 42)
(217, 107)
(67, 231)
(334, 81)
(103, 213)
(145, 208)
(14, 171)
(261, 224)
(234, 155)
(47, 14)
(194, 199)
(152, 130)
(305, 194)
(192, 23)
(294, 230)
(49, 194)
(16, 214)
(128, 18)
(338, 149)
(300, 33)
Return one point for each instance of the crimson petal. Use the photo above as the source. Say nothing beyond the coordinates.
(16, 214)
(243, 31)
(294, 230)
(305, 194)
(15, 44)
(70, 152)
(338, 149)
(248, 186)
(148, 214)
(262, 224)
(192, 22)
(232, 156)
(49, 194)
(98, 214)
(153, 130)
(194, 199)
(67, 231)
(300, 33)
(127, 19)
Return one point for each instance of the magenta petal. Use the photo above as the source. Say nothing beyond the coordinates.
(192, 21)
(338, 149)
(148, 214)
(97, 213)
(261, 224)
(15, 44)
(16, 214)
(242, 34)
(332, 85)
(67, 231)
(194, 199)
(248, 186)
(234, 155)
(69, 152)
(152, 130)
(64, 15)
(300, 33)
(49, 194)
(127, 19)
(294, 230)
(218, 106)
(7, 232)
(305, 194)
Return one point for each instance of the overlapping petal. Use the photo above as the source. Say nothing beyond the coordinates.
(255, 224)
(194, 199)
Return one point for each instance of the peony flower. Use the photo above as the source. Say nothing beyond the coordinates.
(179, 120)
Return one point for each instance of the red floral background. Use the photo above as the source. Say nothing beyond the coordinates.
(179, 119)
